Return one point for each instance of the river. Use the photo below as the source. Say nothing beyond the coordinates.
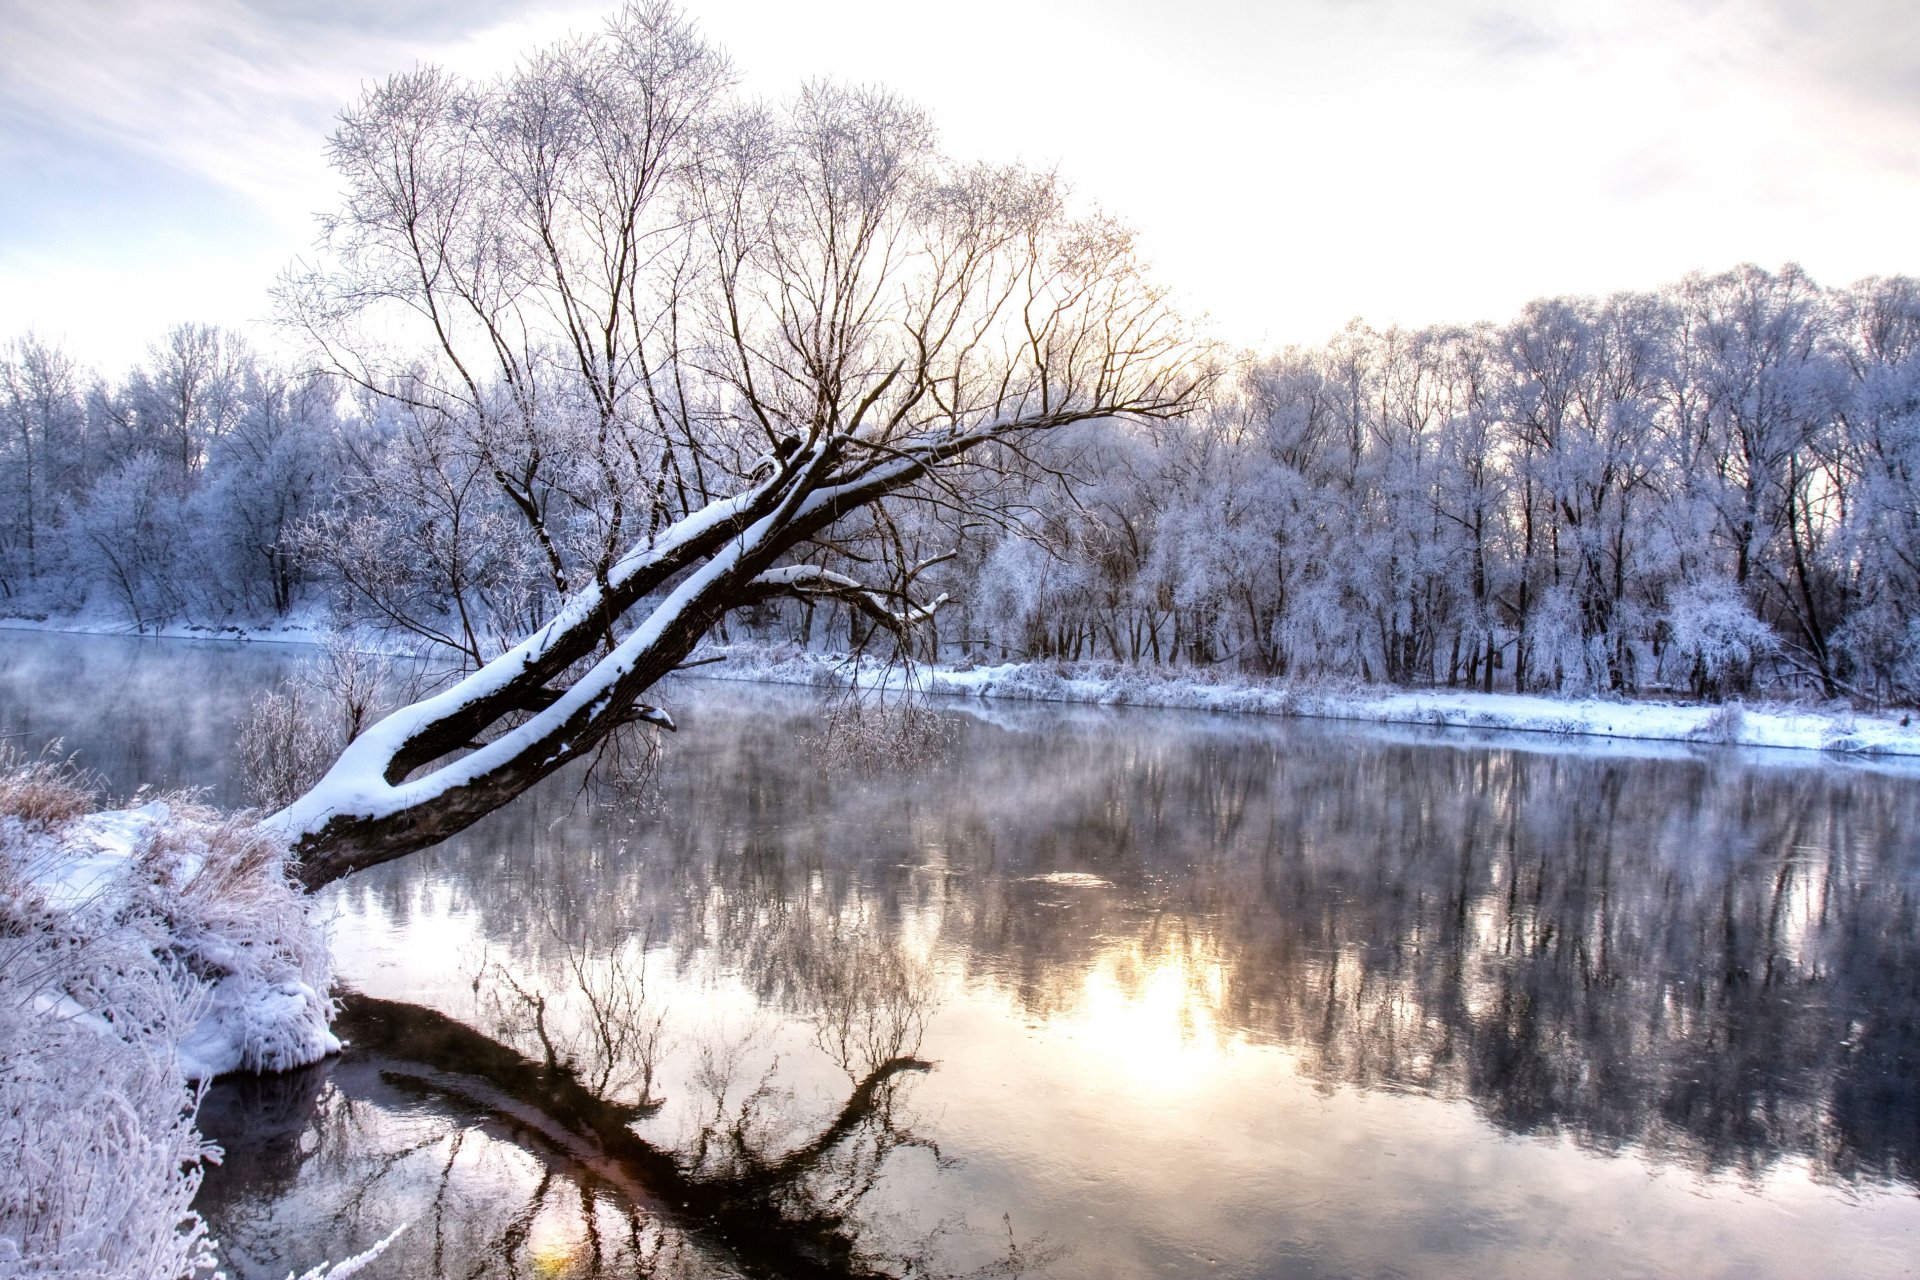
(1091, 994)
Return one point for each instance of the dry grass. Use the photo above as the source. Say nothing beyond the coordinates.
(44, 791)
(875, 731)
(235, 857)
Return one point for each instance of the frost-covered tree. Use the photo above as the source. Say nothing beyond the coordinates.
(1879, 487)
(42, 441)
(265, 477)
(686, 342)
(1758, 444)
(1582, 405)
(126, 537)
(187, 396)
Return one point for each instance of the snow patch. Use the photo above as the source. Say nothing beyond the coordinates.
(147, 949)
(229, 928)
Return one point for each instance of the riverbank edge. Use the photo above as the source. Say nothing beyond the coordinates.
(151, 949)
(1833, 730)
(1828, 728)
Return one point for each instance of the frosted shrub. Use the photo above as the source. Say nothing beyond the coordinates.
(139, 950)
(283, 748)
(1721, 725)
(1716, 636)
(874, 731)
(290, 735)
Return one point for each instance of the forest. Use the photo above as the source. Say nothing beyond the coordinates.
(1708, 489)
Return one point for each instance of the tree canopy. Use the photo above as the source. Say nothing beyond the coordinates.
(689, 339)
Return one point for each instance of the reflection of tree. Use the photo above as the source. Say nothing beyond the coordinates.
(768, 1210)
(781, 1213)
(1704, 958)
(614, 1040)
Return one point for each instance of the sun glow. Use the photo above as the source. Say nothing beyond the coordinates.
(1150, 1017)
(556, 1243)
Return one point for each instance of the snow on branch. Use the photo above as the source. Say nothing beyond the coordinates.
(807, 579)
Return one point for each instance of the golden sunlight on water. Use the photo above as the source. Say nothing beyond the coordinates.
(556, 1242)
(1148, 1020)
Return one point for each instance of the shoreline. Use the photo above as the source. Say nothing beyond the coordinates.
(1830, 730)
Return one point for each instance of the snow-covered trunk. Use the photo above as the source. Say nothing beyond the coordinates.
(370, 807)
(357, 817)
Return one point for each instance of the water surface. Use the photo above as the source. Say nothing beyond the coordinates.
(1097, 994)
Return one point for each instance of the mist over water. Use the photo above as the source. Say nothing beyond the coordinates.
(1097, 994)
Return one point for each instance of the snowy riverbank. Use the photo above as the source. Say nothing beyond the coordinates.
(1823, 727)
(141, 951)
(299, 627)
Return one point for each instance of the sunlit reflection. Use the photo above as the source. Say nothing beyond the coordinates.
(556, 1243)
(1419, 1006)
(1151, 1019)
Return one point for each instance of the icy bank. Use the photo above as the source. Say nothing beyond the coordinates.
(140, 951)
(1767, 725)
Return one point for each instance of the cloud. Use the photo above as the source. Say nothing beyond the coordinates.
(161, 161)
(1868, 50)
(1507, 35)
(434, 21)
(239, 92)
(1289, 164)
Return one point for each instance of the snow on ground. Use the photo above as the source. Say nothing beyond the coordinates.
(301, 627)
(141, 950)
(226, 924)
(1824, 728)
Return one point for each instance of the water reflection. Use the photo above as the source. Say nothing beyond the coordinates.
(1709, 960)
(422, 1111)
(1261, 998)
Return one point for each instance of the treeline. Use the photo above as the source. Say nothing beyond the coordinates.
(1711, 488)
(172, 494)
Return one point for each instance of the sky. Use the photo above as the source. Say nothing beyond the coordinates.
(1288, 165)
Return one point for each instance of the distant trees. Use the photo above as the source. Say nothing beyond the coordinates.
(42, 443)
(174, 494)
(562, 312)
(1710, 488)
(1713, 488)
(1876, 487)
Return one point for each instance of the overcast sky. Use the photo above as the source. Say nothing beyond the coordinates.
(1289, 164)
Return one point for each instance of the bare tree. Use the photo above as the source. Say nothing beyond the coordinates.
(826, 314)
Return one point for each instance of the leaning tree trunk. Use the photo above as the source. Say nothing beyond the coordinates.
(431, 769)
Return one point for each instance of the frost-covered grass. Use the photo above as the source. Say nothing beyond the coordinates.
(1817, 728)
(141, 951)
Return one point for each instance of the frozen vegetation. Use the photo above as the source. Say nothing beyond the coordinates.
(142, 952)
(1705, 490)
